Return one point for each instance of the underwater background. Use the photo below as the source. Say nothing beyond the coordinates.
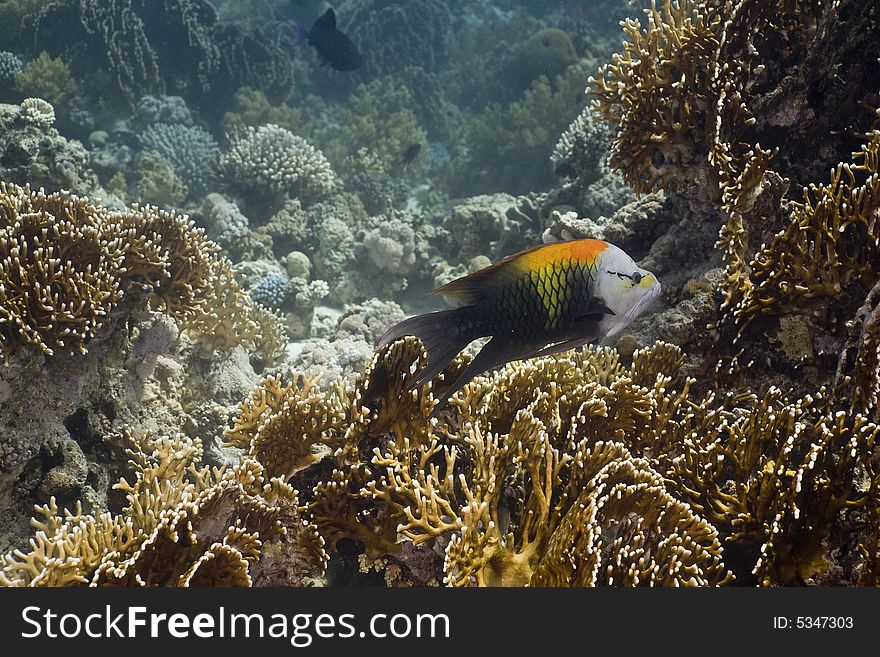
(210, 213)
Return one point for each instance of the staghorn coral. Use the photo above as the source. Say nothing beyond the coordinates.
(272, 160)
(183, 526)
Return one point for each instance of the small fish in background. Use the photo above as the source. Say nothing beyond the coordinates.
(333, 47)
(541, 301)
(410, 154)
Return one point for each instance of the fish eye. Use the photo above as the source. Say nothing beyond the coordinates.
(637, 278)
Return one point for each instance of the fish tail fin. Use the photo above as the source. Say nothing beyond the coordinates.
(440, 336)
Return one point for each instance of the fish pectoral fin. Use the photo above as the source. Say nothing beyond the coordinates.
(600, 308)
(596, 311)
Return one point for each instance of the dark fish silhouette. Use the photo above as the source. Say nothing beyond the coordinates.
(411, 153)
(333, 46)
(537, 302)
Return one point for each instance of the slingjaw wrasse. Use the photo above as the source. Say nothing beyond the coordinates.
(541, 301)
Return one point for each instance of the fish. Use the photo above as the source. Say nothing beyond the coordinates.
(537, 302)
(333, 47)
(411, 153)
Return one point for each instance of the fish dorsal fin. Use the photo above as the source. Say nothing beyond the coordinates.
(469, 289)
(326, 22)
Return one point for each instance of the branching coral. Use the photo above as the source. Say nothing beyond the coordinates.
(578, 470)
(658, 92)
(273, 160)
(60, 270)
(832, 240)
(510, 488)
(65, 265)
(183, 526)
(567, 470)
(191, 151)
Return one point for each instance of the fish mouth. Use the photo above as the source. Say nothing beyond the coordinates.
(644, 303)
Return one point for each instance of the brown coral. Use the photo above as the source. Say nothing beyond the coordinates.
(183, 526)
(60, 271)
(65, 264)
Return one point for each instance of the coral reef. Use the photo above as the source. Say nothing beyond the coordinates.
(507, 144)
(489, 225)
(547, 52)
(161, 109)
(386, 29)
(47, 78)
(252, 108)
(378, 119)
(157, 182)
(270, 291)
(391, 246)
(32, 151)
(212, 409)
(182, 526)
(190, 150)
(66, 264)
(10, 66)
(250, 59)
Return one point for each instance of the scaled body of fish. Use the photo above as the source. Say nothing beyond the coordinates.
(333, 47)
(541, 301)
